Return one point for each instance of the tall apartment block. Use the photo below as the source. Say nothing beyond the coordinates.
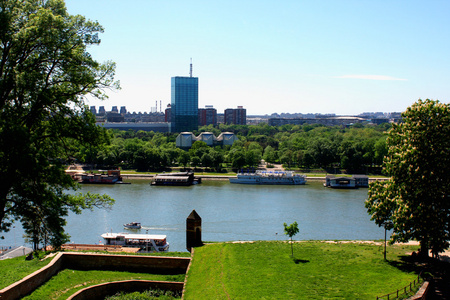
(236, 116)
(207, 116)
(184, 103)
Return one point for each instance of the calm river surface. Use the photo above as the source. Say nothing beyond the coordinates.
(229, 212)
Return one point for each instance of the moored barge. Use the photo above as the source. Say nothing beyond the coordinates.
(106, 177)
(269, 178)
(353, 182)
(176, 179)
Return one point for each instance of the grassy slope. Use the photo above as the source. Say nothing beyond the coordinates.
(14, 269)
(265, 270)
(69, 281)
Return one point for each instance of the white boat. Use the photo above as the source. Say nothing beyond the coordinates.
(270, 178)
(145, 242)
(132, 225)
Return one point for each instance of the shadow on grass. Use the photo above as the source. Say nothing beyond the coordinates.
(407, 264)
(430, 267)
(297, 261)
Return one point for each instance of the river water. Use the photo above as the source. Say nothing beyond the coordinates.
(229, 212)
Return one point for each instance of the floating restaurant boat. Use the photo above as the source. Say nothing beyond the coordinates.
(176, 179)
(106, 177)
(132, 225)
(269, 178)
(145, 242)
(353, 182)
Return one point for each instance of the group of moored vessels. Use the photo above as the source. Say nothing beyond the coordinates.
(258, 177)
(291, 178)
(158, 243)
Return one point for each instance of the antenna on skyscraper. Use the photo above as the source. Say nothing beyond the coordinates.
(190, 73)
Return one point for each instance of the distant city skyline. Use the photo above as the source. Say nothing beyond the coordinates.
(128, 111)
(343, 57)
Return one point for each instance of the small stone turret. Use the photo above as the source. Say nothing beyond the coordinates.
(193, 231)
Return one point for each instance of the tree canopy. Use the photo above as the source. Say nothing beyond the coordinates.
(416, 199)
(45, 74)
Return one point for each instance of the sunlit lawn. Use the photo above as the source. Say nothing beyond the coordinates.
(14, 269)
(260, 270)
(318, 270)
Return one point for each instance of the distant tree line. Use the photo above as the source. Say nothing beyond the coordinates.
(355, 149)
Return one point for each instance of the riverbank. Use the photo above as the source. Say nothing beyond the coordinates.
(226, 177)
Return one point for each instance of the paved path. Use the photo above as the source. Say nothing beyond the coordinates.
(15, 252)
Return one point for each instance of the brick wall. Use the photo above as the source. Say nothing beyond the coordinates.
(104, 290)
(81, 261)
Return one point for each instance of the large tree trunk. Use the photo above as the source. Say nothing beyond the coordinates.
(423, 248)
(2, 208)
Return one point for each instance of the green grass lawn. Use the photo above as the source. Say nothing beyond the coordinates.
(318, 270)
(260, 270)
(68, 281)
(14, 269)
(147, 295)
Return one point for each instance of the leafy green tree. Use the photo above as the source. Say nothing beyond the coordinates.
(198, 145)
(299, 156)
(270, 154)
(290, 231)
(323, 152)
(172, 154)
(253, 157)
(195, 161)
(141, 160)
(217, 159)
(416, 198)
(184, 158)
(380, 151)
(308, 159)
(45, 74)
(286, 158)
(207, 160)
(352, 157)
(254, 146)
(158, 139)
(238, 159)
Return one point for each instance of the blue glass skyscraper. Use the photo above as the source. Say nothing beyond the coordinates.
(184, 104)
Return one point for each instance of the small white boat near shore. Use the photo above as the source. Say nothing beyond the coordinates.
(132, 225)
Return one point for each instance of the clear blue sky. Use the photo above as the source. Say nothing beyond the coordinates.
(343, 57)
